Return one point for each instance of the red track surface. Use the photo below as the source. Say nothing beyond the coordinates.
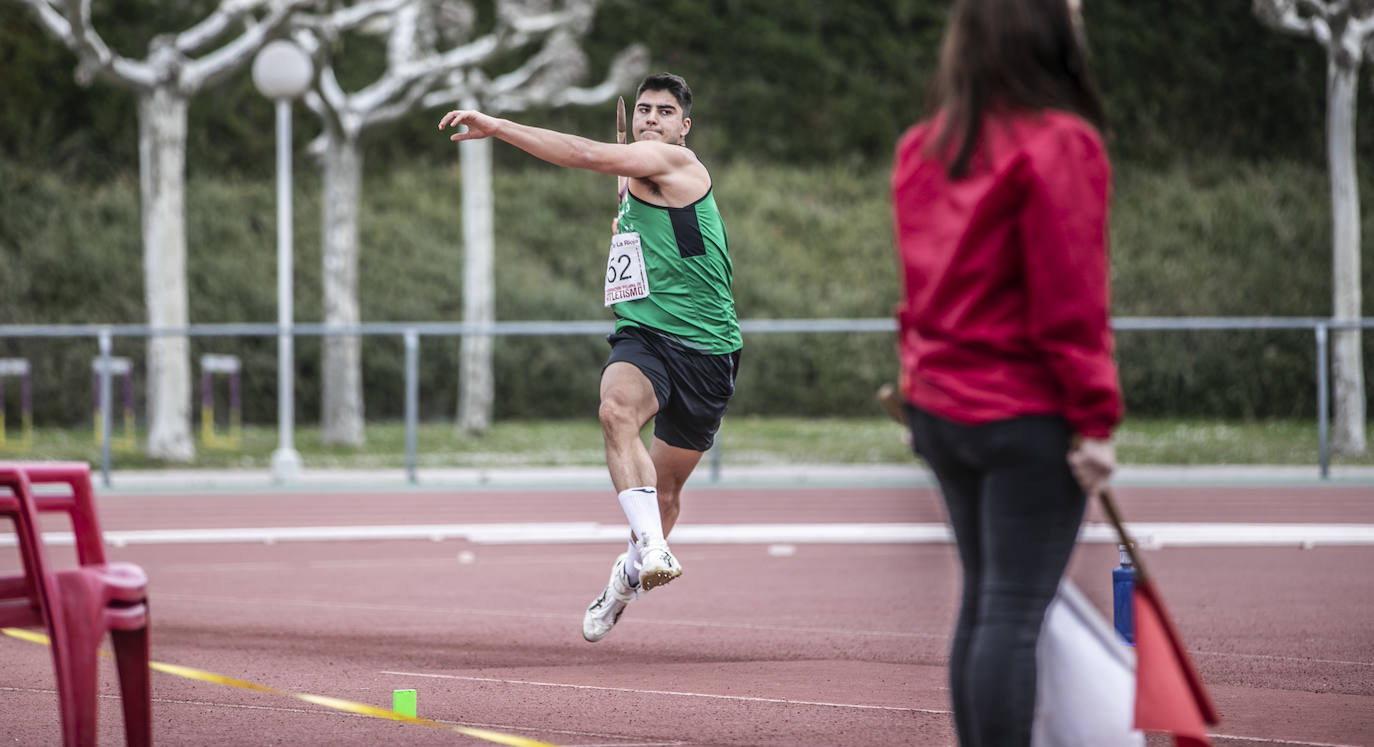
(835, 645)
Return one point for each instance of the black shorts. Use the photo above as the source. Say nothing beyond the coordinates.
(692, 388)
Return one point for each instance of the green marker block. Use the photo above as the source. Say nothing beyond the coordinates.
(403, 702)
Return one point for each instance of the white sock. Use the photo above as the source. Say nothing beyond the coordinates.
(632, 564)
(641, 510)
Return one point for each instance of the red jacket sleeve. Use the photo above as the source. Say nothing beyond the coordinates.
(1064, 230)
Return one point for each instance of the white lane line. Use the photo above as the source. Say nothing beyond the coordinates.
(638, 691)
(559, 616)
(1273, 657)
(1268, 740)
(1170, 534)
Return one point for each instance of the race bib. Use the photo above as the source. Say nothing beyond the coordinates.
(626, 278)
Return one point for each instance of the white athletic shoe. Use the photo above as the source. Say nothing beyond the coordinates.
(657, 566)
(605, 610)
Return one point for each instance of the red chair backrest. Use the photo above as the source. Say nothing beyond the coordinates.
(78, 504)
(37, 584)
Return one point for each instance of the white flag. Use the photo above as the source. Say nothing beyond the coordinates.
(1085, 687)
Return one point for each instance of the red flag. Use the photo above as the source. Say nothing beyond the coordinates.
(1169, 696)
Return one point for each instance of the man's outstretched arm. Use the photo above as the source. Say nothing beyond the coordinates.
(639, 160)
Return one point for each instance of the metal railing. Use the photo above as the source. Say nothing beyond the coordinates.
(411, 332)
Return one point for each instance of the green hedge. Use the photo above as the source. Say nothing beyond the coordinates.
(1207, 238)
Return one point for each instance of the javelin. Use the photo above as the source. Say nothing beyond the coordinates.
(621, 183)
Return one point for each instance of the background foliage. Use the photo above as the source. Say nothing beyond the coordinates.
(1221, 205)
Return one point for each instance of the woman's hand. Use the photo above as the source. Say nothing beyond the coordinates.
(1092, 461)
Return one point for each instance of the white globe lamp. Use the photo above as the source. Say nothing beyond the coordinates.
(283, 72)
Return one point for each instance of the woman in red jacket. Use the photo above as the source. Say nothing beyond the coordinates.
(1000, 212)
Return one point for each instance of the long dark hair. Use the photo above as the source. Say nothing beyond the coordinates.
(1001, 55)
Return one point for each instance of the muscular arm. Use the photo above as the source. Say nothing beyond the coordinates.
(638, 160)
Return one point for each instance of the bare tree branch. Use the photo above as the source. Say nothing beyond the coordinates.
(467, 55)
(49, 17)
(1285, 15)
(1363, 29)
(70, 21)
(625, 71)
(402, 105)
(330, 25)
(228, 59)
(327, 97)
(560, 57)
(503, 94)
(219, 21)
(549, 21)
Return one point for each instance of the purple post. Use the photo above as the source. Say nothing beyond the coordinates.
(118, 367)
(17, 367)
(211, 364)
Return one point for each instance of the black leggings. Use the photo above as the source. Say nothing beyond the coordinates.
(1015, 509)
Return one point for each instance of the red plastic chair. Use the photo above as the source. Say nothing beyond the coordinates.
(77, 606)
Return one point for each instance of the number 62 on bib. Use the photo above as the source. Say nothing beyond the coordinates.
(626, 278)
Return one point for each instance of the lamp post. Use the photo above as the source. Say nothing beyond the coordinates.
(282, 72)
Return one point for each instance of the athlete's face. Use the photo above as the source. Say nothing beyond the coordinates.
(659, 117)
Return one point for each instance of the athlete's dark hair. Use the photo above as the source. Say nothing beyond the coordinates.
(673, 84)
(1007, 55)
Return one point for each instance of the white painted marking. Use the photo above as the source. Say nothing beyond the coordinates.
(1208, 534)
(561, 617)
(638, 691)
(1273, 657)
(1266, 740)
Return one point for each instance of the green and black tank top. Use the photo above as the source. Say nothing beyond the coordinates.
(687, 258)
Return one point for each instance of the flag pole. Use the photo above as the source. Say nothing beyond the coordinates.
(892, 403)
(1109, 505)
(1148, 595)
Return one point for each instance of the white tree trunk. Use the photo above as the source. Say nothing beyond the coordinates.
(162, 178)
(341, 365)
(475, 383)
(1347, 366)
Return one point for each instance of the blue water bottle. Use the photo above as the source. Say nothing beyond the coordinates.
(1123, 588)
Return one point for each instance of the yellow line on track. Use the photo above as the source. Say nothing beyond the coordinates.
(337, 704)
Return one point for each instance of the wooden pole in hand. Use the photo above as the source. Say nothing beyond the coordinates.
(622, 184)
(1109, 505)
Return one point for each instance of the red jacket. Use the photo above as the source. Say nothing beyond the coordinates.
(1006, 308)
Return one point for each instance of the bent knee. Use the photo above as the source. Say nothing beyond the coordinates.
(615, 412)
